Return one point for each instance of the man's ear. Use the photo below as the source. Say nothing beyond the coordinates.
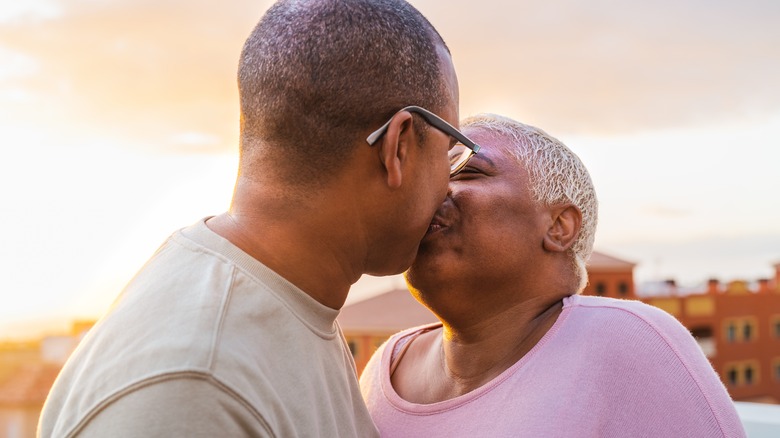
(564, 229)
(395, 145)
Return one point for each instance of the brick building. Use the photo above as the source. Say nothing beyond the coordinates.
(610, 277)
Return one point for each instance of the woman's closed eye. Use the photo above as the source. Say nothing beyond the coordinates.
(468, 172)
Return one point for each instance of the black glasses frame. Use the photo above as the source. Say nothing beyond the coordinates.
(438, 123)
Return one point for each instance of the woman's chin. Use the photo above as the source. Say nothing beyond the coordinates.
(425, 272)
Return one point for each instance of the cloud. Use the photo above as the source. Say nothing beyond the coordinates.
(617, 66)
(146, 70)
(14, 65)
(29, 10)
(138, 70)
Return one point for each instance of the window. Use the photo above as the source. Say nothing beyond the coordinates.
(749, 329)
(701, 332)
(623, 288)
(751, 372)
(748, 375)
(777, 370)
(741, 329)
(732, 376)
(601, 288)
(703, 336)
(747, 332)
(744, 373)
(776, 327)
(731, 332)
(353, 347)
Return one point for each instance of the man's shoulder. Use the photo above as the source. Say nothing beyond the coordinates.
(185, 400)
(143, 351)
(116, 359)
(164, 326)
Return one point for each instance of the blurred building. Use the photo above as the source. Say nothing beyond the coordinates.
(27, 372)
(737, 324)
(22, 396)
(610, 277)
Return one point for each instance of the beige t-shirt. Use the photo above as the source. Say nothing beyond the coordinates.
(207, 341)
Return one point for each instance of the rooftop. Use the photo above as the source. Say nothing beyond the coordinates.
(388, 312)
(599, 260)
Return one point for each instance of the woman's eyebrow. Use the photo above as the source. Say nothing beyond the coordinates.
(482, 157)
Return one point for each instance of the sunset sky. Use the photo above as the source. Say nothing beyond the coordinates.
(119, 125)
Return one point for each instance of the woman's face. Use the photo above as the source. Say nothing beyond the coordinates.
(488, 230)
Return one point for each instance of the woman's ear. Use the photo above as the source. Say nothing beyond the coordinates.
(394, 147)
(565, 227)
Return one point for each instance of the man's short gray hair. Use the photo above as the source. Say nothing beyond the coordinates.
(314, 75)
(557, 176)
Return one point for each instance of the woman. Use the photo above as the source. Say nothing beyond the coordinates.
(518, 352)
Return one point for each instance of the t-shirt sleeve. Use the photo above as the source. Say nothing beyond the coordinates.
(190, 407)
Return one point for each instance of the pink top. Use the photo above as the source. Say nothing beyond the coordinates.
(607, 368)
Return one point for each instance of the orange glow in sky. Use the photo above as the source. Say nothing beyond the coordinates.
(119, 123)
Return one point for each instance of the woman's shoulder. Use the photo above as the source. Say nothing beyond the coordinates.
(630, 320)
(632, 332)
(646, 349)
(632, 309)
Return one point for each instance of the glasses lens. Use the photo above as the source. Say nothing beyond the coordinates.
(459, 156)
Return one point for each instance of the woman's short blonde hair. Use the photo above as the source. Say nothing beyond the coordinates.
(557, 176)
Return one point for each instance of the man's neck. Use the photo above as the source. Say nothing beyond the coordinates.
(320, 259)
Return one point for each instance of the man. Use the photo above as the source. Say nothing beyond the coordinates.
(229, 329)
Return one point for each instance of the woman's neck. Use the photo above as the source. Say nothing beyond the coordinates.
(460, 359)
(476, 354)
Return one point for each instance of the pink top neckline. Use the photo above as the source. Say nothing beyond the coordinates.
(433, 408)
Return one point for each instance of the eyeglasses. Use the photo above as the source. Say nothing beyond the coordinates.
(459, 154)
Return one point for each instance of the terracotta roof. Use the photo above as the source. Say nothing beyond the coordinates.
(29, 385)
(388, 312)
(601, 261)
